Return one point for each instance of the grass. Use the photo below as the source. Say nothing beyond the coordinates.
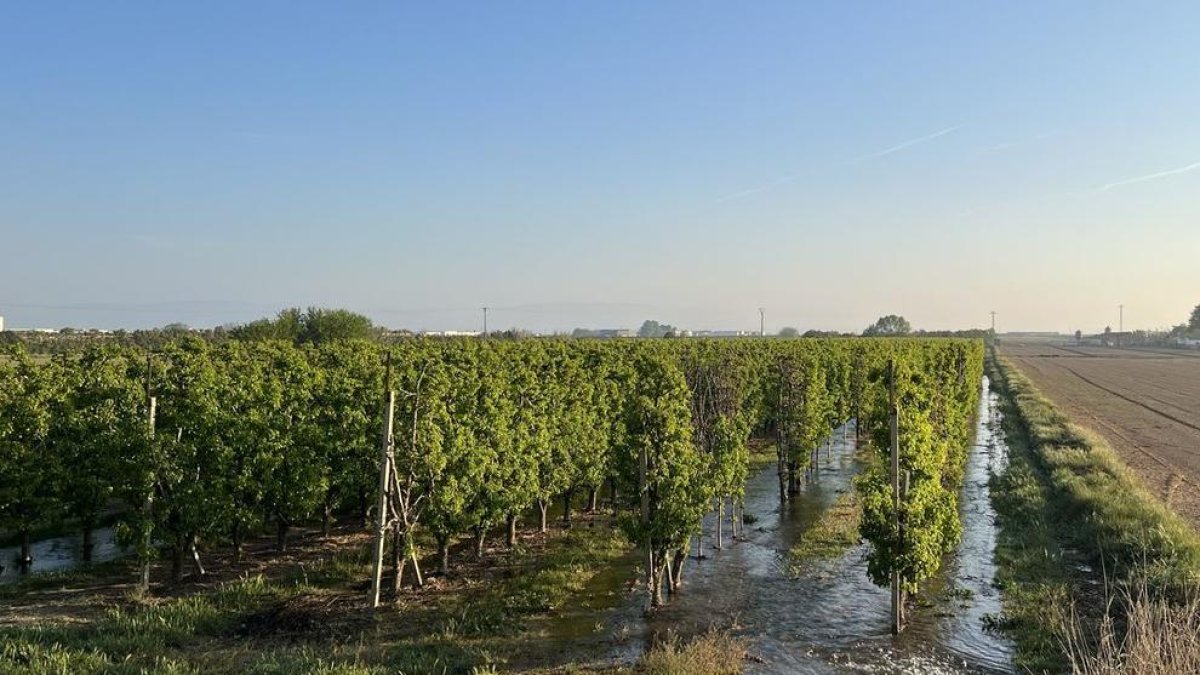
(1069, 513)
(1140, 633)
(834, 533)
(313, 619)
(714, 653)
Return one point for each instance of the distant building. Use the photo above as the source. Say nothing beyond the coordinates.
(615, 333)
(1, 324)
(451, 333)
(724, 333)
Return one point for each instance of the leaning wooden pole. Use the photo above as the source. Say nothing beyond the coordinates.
(386, 460)
(894, 423)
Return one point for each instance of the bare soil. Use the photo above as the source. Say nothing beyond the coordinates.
(1145, 403)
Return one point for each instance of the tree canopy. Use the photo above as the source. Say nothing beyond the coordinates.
(655, 329)
(892, 324)
(315, 325)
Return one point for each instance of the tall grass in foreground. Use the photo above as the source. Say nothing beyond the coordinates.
(714, 653)
(1139, 634)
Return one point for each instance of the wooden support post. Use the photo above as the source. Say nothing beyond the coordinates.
(381, 518)
(894, 422)
(148, 503)
(644, 488)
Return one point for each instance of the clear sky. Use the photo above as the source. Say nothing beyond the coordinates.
(599, 163)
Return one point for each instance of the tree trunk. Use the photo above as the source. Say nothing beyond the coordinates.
(680, 557)
(783, 484)
(26, 552)
(567, 507)
(398, 556)
(649, 562)
(670, 574)
(364, 510)
(237, 541)
(443, 542)
(656, 582)
(418, 580)
(281, 534)
(177, 559)
(88, 545)
(700, 540)
(612, 491)
(195, 556)
(480, 536)
(720, 522)
(326, 518)
(512, 530)
(593, 500)
(542, 506)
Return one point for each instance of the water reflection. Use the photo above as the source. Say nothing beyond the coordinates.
(830, 618)
(59, 554)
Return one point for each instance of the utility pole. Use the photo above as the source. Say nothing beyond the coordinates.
(993, 322)
(485, 309)
(1120, 324)
(762, 322)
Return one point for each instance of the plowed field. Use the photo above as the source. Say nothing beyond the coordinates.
(1145, 403)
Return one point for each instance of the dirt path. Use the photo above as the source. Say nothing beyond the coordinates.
(1145, 403)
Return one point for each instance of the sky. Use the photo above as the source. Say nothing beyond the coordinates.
(600, 163)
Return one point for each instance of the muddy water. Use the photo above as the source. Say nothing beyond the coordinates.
(830, 618)
(59, 554)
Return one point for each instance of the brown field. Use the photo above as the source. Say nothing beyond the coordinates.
(1146, 403)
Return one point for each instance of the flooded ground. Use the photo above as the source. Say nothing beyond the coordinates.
(831, 618)
(59, 554)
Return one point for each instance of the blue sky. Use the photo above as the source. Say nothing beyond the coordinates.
(596, 164)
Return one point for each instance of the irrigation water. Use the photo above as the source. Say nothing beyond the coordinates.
(826, 618)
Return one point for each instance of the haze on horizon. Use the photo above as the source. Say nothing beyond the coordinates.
(599, 164)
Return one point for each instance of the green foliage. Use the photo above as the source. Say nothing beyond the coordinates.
(658, 422)
(282, 430)
(312, 326)
(890, 325)
(654, 329)
(30, 468)
(936, 393)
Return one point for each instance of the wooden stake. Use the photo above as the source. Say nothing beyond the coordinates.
(148, 503)
(643, 486)
(385, 468)
(894, 420)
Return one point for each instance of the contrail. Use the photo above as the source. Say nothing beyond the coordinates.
(1152, 176)
(749, 191)
(787, 179)
(911, 142)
